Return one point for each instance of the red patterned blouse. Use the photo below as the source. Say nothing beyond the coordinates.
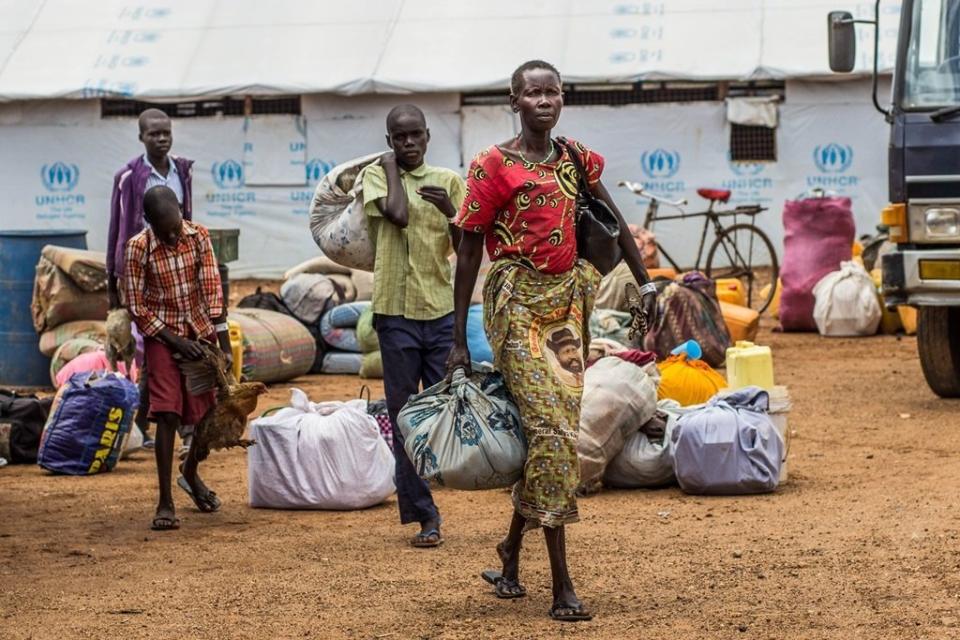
(526, 210)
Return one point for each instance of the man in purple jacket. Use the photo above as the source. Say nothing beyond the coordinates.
(155, 167)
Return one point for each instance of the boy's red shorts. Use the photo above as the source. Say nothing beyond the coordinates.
(167, 391)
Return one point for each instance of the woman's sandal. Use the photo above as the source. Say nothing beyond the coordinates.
(504, 588)
(563, 612)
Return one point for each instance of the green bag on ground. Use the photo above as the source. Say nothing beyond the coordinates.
(372, 366)
(366, 335)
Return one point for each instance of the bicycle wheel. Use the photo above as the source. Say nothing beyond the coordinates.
(744, 252)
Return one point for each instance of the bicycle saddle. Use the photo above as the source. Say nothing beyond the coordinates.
(720, 195)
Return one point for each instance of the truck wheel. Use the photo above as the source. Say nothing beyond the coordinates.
(938, 340)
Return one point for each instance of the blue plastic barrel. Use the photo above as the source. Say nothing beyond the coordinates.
(21, 363)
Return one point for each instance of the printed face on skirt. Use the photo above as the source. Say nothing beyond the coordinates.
(563, 350)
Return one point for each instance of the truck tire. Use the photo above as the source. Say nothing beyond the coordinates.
(938, 341)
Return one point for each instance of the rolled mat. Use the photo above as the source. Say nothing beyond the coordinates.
(51, 340)
(342, 363)
(276, 347)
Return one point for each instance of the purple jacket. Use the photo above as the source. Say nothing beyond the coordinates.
(126, 205)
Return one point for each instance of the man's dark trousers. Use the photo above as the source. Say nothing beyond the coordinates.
(413, 352)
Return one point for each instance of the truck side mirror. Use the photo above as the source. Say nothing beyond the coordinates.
(843, 41)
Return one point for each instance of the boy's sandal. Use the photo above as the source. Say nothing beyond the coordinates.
(207, 503)
(427, 539)
(563, 612)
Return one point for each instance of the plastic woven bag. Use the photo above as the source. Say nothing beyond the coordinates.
(90, 418)
(465, 434)
(846, 303)
(818, 236)
(730, 446)
(337, 221)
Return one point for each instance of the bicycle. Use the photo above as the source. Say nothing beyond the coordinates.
(738, 250)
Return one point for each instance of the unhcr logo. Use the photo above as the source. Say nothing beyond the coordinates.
(59, 201)
(229, 177)
(228, 174)
(833, 157)
(316, 169)
(748, 178)
(746, 169)
(660, 163)
(59, 176)
(832, 161)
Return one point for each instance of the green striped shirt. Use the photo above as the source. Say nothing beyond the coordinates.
(412, 275)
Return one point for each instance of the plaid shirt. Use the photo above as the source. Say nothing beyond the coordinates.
(177, 288)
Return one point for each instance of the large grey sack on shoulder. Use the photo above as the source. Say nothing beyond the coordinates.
(618, 398)
(337, 220)
(728, 446)
(465, 434)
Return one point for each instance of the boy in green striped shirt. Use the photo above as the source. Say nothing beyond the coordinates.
(410, 207)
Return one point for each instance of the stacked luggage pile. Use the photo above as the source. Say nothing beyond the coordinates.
(70, 305)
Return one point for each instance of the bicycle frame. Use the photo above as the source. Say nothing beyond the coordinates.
(711, 216)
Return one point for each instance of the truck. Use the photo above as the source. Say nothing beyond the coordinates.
(922, 267)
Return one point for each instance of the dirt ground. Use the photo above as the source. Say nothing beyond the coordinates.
(861, 543)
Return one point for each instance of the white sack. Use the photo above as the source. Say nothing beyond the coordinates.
(847, 303)
(645, 462)
(728, 446)
(337, 221)
(618, 398)
(465, 434)
(326, 455)
(132, 442)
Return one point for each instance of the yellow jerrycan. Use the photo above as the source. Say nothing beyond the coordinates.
(749, 364)
(236, 347)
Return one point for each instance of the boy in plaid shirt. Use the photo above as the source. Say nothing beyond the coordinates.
(172, 289)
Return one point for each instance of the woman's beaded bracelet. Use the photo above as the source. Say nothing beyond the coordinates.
(648, 288)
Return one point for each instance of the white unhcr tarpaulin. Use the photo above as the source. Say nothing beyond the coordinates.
(174, 49)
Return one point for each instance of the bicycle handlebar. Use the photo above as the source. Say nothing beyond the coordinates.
(639, 189)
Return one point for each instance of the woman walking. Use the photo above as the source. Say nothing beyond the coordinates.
(538, 296)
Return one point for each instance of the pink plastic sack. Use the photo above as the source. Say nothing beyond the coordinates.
(93, 361)
(818, 236)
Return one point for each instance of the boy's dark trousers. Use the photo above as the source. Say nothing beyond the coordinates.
(413, 352)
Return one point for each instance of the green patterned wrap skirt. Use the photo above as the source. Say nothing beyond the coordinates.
(537, 327)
